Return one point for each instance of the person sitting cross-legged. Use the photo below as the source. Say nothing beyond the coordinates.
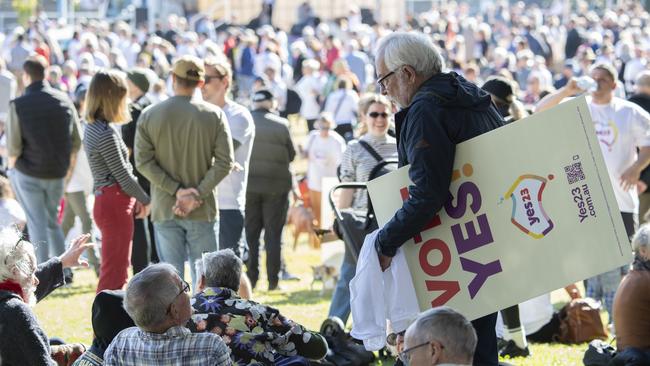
(255, 333)
(158, 301)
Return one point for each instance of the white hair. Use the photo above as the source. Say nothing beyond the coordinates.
(149, 294)
(412, 49)
(222, 269)
(641, 238)
(450, 328)
(18, 262)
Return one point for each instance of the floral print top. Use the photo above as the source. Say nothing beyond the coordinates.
(256, 333)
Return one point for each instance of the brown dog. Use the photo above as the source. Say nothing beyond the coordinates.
(302, 220)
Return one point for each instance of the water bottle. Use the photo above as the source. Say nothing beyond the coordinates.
(586, 83)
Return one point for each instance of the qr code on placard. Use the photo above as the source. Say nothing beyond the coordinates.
(574, 172)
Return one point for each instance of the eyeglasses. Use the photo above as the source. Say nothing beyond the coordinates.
(405, 355)
(381, 81)
(185, 289)
(377, 114)
(208, 78)
(11, 252)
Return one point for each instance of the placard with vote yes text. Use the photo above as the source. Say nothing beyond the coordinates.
(532, 210)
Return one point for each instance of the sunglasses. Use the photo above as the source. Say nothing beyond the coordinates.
(377, 114)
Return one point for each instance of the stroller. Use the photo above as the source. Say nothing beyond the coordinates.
(351, 226)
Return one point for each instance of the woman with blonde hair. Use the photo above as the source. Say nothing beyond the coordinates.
(118, 196)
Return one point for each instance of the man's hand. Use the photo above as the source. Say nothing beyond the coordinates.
(187, 200)
(384, 261)
(71, 256)
(630, 177)
(571, 88)
(641, 186)
(141, 210)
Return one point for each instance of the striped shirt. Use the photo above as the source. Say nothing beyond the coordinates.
(357, 163)
(109, 160)
(176, 347)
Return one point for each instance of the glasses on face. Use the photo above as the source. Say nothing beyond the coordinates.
(11, 252)
(406, 354)
(382, 80)
(184, 289)
(209, 78)
(377, 114)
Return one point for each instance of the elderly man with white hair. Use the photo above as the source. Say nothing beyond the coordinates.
(22, 284)
(255, 333)
(158, 301)
(438, 111)
(439, 336)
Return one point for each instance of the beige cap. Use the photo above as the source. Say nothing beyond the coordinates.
(190, 68)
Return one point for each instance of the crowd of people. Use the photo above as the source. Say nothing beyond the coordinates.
(181, 139)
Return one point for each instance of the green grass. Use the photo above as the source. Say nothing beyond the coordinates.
(66, 312)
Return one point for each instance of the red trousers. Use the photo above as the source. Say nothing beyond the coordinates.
(113, 214)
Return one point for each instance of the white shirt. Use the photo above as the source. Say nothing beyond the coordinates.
(391, 294)
(308, 88)
(346, 112)
(621, 127)
(232, 189)
(324, 157)
(82, 177)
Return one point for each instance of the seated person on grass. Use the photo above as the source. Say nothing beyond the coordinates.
(255, 333)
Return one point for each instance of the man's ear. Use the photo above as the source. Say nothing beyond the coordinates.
(436, 351)
(409, 71)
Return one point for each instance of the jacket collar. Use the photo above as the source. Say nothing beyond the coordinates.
(36, 86)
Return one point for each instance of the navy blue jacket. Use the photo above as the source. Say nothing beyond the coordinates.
(446, 110)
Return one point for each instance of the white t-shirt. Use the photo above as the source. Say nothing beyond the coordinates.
(82, 177)
(309, 87)
(343, 104)
(621, 127)
(324, 157)
(231, 191)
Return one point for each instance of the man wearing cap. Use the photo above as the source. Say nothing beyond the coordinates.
(232, 189)
(184, 147)
(269, 183)
(144, 245)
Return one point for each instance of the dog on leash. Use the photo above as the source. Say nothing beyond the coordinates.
(302, 221)
(326, 274)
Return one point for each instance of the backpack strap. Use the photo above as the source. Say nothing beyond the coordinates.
(371, 151)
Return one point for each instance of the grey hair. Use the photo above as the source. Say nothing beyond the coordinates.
(149, 294)
(413, 49)
(222, 269)
(451, 329)
(641, 238)
(15, 257)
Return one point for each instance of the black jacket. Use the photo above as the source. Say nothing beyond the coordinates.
(271, 154)
(22, 341)
(446, 110)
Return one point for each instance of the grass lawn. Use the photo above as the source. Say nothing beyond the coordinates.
(66, 312)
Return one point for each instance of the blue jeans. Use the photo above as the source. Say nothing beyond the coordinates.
(340, 306)
(40, 198)
(176, 240)
(230, 231)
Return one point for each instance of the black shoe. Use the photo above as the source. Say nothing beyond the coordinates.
(286, 276)
(511, 350)
(274, 286)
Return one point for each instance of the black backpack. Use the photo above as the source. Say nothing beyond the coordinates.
(294, 102)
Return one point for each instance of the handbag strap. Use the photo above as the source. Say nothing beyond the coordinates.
(338, 106)
(371, 151)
